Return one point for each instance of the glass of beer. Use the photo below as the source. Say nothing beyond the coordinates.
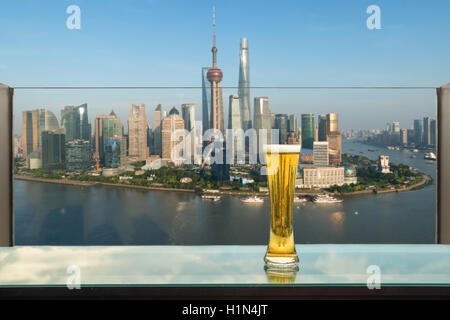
(281, 163)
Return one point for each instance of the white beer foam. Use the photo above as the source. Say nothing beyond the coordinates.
(281, 148)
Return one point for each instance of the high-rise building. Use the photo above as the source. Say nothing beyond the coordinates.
(75, 120)
(98, 136)
(433, 132)
(214, 76)
(206, 100)
(334, 139)
(292, 124)
(292, 138)
(170, 124)
(27, 133)
(188, 114)
(404, 136)
(234, 112)
(244, 85)
(105, 128)
(388, 127)
(320, 153)
(112, 127)
(322, 127)
(418, 132)
(53, 150)
(115, 152)
(281, 123)
(78, 155)
(235, 123)
(426, 131)
(35, 122)
(332, 122)
(137, 133)
(307, 131)
(157, 118)
(396, 127)
(262, 121)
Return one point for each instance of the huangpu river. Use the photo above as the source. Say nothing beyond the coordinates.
(55, 214)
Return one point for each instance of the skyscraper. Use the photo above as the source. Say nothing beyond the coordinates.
(235, 123)
(76, 122)
(433, 132)
(169, 124)
(206, 100)
(105, 128)
(53, 150)
(404, 137)
(334, 139)
(322, 127)
(98, 136)
(332, 122)
(262, 121)
(281, 123)
(388, 127)
(234, 112)
(244, 85)
(137, 132)
(35, 122)
(320, 152)
(27, 133)
(157, 118)
(115, 152)
(307, 131)
(292, 124)
(396, 127)
(418, 132)
(78, 155)
(214, 76)
(427, 131)
(188, 115)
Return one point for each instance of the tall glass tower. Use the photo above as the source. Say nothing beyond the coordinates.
(262, 121)
(76, 122)
(307, 131)
(206, 99)
(244, 85)
(322, 129)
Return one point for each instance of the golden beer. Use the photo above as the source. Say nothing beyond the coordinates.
(281, 163)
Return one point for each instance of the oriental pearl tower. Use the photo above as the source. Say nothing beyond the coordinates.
(214, 76)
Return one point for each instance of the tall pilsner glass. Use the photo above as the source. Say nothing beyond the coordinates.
(281, 163)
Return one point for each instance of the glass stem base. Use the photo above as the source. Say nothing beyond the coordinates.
(281, 261)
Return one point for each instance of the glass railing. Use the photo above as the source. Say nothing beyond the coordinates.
(110, 199)
(320, 265)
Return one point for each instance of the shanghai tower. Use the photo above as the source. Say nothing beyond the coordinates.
(244, 86)
(214, 76)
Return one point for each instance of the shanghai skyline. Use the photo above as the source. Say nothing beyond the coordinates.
(299, 50)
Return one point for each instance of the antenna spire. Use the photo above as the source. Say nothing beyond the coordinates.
(214, 26)
(214, 49)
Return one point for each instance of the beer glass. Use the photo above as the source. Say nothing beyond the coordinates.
(281, 163)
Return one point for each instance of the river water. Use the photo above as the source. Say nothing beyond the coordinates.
(54, 214)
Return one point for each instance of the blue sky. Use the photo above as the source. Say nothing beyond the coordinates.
(292, 43)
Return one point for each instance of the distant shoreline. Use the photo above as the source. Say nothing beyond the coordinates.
(426, 179)
(90, 184)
